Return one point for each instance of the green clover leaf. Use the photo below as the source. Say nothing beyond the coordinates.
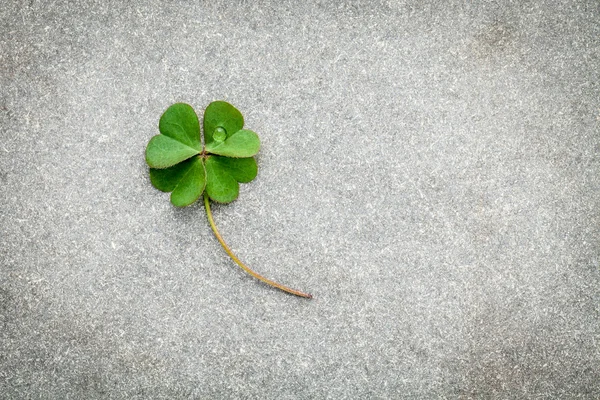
(179, 137)
(180, 164)
(243, 143)
(223, 175)
(220, 114)
(185, 180)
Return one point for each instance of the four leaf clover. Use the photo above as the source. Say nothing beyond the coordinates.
(181, 164)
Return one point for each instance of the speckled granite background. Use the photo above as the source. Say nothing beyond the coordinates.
(429, 171)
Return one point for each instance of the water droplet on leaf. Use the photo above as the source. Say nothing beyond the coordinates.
(220, 134)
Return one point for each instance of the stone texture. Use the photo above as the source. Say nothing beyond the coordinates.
(429, 171)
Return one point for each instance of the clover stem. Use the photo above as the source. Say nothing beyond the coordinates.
(240, 263)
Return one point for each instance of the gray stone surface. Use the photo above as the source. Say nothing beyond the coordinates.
(430, 171)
